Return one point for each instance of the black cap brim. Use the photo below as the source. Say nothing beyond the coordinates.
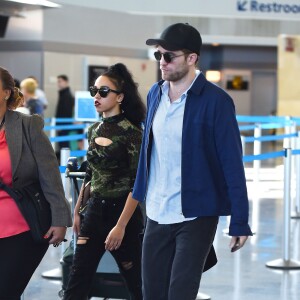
(163, 43)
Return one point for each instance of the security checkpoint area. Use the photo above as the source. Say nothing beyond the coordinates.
(268, 267)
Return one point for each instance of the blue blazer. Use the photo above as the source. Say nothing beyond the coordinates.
(213, 178)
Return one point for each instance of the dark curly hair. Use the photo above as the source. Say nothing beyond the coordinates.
(132, 104)
(16, 97)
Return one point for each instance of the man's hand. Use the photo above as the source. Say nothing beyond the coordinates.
(237, 242)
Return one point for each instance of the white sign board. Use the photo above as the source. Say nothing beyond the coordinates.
(84, 107)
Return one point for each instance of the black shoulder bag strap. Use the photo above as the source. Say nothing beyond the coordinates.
(9, 191)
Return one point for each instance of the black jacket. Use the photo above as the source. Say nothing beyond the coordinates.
(65, 104)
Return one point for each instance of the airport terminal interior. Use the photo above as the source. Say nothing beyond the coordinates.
(251, 49)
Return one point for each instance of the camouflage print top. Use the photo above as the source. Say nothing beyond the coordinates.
(112, 165)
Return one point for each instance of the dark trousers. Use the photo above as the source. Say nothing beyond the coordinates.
(174, 256)
(19, 257)
(101, 216)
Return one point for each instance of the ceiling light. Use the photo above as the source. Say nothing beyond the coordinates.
(44, 3)
(213, 76)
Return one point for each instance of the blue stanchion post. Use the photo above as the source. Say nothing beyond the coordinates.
(292, 144)
(296, 213)
(74, 176)
(56, 273)
(53, 132)
(286, 263)
(201, 296)
(256, 151)
(64, 156)
(287, 142)
(243, 141)
(86, 142)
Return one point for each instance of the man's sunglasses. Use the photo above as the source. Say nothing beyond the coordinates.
(103, 91)
(168, 56)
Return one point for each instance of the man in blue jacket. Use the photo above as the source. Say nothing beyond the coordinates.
(190, 170)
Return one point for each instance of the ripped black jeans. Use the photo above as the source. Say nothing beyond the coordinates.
(101, 216)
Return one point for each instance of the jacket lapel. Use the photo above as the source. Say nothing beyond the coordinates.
(13, 124)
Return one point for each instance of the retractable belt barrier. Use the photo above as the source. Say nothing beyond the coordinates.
(290, 154)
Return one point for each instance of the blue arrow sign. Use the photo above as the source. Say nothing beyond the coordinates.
(241, 5)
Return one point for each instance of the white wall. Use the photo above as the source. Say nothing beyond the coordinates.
(75, 67)
(264, 92)
(91, 26)
(22, 64)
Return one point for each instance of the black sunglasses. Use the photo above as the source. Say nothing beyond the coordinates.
(168, 56)
(103, 91)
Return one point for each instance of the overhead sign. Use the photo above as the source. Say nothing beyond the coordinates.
(269, 9)
(248, 9)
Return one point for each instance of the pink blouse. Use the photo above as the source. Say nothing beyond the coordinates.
(11, 219)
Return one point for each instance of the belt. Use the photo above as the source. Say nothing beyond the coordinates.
(104, 199)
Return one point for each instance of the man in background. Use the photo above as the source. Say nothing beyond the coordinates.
(65, 107)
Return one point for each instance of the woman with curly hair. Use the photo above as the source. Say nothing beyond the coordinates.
(112, 219)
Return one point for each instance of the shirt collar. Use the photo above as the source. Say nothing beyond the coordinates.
(166, 85)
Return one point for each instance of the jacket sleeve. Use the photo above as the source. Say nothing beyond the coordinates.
(229, 148)
(140, 184)
(48, 172)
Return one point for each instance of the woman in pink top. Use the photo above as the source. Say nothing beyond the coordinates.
(26, 156)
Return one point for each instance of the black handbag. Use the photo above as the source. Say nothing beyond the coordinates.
(34, 208)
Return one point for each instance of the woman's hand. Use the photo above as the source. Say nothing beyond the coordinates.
(76, 223)
(56, 234)
(114, 238)
(116, 235)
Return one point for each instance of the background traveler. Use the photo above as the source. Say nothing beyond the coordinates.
(39, 93)
(65, 107)
(28, 88)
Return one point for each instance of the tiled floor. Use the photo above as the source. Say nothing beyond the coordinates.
(238, 276)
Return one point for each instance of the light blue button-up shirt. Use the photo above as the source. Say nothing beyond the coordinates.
(163, 199)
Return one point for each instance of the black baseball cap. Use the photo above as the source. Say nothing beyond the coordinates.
(177, 37)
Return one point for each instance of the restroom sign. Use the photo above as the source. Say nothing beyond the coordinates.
(244, 9)
(264, 7)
